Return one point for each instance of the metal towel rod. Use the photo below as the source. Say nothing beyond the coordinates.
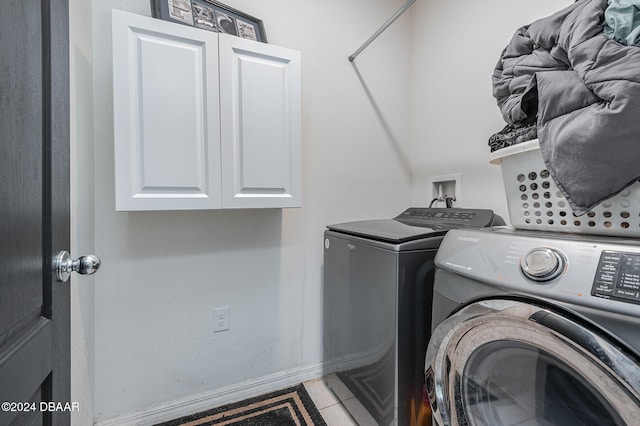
(381, 29)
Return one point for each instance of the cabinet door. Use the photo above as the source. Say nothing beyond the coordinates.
(166, 115)
(260, 124)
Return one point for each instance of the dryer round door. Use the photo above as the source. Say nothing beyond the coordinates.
(506, 362)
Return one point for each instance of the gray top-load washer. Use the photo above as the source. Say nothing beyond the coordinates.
(378, 278)
(535, 328)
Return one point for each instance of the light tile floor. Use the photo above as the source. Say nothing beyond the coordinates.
(331, 400)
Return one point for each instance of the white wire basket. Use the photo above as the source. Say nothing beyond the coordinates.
(536, 203)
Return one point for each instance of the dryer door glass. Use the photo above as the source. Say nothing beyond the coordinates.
(506, 362)
(509, 382)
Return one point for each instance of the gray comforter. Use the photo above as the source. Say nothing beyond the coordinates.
(585, 90)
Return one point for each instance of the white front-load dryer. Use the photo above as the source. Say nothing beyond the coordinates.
(532, 328)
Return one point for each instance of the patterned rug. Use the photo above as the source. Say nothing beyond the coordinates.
(291, 406)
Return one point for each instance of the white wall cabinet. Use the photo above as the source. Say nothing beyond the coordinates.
(203, 120)
(260, 124)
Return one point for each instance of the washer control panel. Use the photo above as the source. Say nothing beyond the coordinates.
(618, 277)
(449, 218)
(542, 264)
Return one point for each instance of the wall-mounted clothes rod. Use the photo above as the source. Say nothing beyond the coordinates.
(381, 29)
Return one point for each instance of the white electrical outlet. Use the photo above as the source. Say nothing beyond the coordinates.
(221, 319)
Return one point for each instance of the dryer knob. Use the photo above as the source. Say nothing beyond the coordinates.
(542, 264)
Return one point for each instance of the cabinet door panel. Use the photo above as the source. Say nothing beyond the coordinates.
(260, 124)
(166, 115)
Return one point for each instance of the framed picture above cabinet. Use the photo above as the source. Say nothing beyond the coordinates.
(203, 120)
(210, 15)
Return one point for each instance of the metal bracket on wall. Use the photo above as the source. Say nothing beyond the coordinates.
(381, 29)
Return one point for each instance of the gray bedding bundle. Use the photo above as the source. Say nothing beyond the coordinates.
(584, 91)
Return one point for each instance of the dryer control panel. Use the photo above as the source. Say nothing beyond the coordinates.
(618, 277)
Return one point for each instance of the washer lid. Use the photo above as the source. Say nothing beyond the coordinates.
(418, 222)
(389, 230)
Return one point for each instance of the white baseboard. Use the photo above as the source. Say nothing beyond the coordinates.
(216, 398)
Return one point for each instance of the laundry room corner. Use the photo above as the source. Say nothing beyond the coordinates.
(143, 333)
(196, 309)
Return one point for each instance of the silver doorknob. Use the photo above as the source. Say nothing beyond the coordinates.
(64, 265)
